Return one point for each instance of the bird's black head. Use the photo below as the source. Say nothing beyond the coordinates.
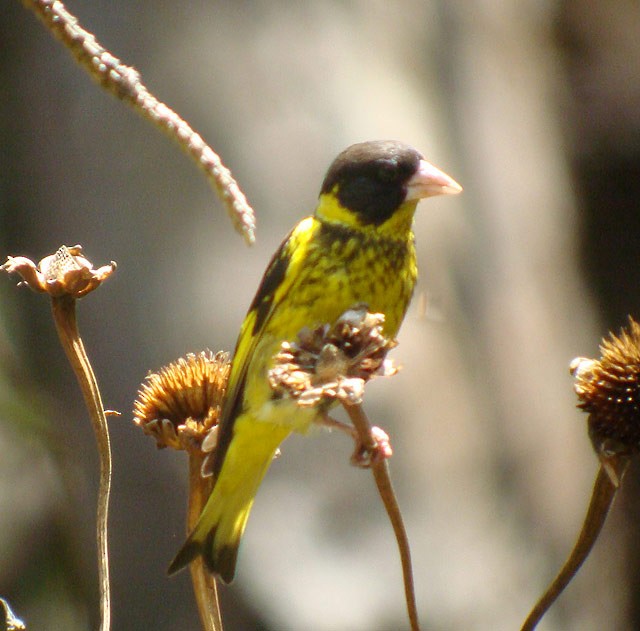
(371, 178)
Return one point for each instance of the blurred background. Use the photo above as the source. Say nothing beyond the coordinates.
(533, 106)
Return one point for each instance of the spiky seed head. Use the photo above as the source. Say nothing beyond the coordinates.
(609, 391)
(180, 404)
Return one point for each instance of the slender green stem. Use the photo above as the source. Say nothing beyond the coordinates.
(64, 315)
(602, 496)
(382, 477)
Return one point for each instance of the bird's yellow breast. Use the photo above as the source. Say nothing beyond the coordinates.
(329, 268)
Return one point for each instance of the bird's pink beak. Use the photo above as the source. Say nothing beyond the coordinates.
(429, 181)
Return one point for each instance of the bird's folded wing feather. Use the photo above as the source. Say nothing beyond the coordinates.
(282, 273)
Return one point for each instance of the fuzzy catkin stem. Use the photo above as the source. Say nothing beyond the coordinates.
(64, 315)
(125, 84)
(380, 469)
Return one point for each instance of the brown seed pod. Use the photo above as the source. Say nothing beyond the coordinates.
(180, 404)
(609, 391)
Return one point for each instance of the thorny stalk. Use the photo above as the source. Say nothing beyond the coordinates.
(380, 469)
(125, 84)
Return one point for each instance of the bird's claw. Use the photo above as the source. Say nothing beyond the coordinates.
(364, 456)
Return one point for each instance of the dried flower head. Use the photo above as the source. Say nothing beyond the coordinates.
(334, 363)
(180, 404)
(66, 272)
(609, 391)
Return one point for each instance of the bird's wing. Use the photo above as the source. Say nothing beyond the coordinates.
(281, 273)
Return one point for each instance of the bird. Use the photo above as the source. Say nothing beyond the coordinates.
(357, 248)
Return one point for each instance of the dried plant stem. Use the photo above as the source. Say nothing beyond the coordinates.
(124, 82)
(204, 583)
(64, 315)
(602, 496)
(11, 621)
(381, 475)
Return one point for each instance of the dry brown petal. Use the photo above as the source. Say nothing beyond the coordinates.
(66, 272)
(334, 363)
(210, 441)
(351, 390)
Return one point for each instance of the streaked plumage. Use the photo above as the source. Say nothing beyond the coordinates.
(357, 248)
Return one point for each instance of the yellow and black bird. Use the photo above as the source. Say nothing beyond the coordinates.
(358, 247)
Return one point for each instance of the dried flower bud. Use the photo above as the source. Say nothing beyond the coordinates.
(180, 404)
(64, 273)
(332, 363)
(609, 391)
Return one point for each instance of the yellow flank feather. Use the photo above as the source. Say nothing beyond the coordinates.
(357, 248)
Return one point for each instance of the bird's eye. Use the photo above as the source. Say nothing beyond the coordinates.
(386, 172)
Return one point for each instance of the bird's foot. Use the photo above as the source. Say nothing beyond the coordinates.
(363, 455)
